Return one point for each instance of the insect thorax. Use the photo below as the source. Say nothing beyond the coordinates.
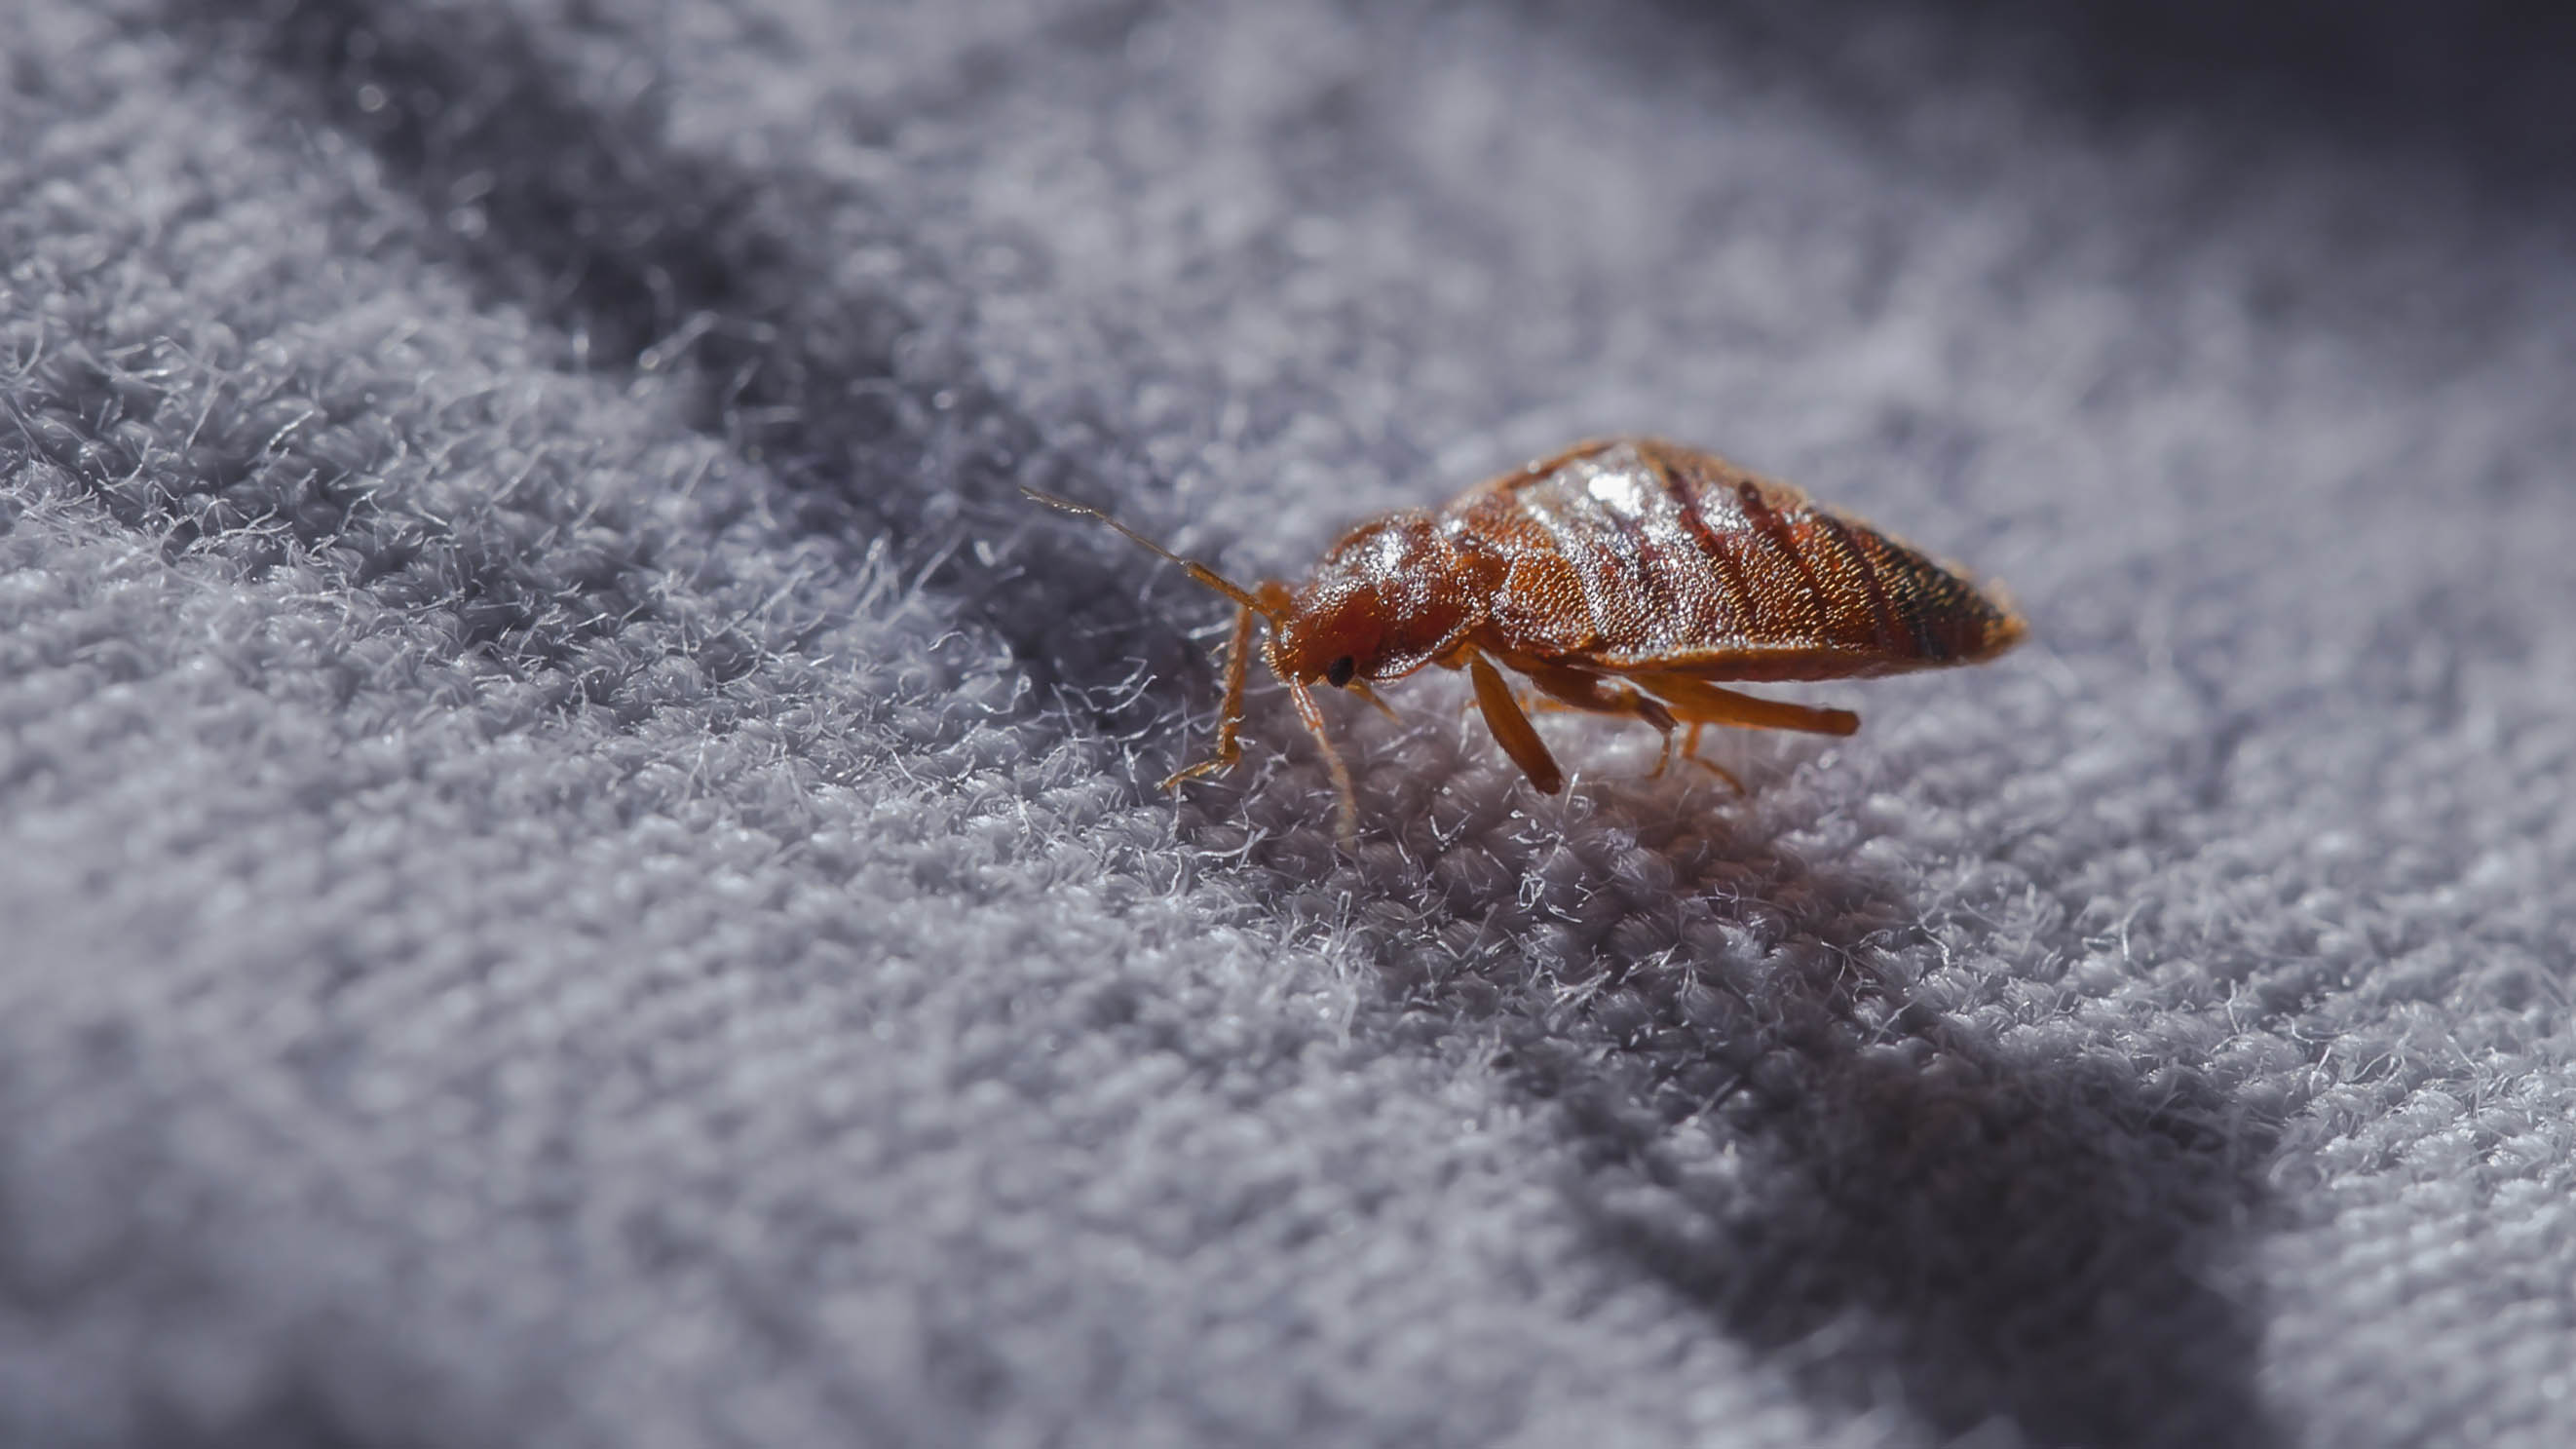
(1392, 595)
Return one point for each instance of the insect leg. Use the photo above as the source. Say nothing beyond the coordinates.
(1699, 702)
(1238, 653)
(1582, 689)
(1512, 729)
(1690, 752)
(1347, 826)
(1572, 688)
(1360, 688)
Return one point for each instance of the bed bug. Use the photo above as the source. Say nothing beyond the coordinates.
(1624, 576)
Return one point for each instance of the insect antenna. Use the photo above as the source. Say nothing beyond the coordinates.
(1197, 570)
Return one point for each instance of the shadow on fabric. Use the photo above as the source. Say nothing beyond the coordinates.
(2031, 1242)
(570, 200)
(1874, 1194)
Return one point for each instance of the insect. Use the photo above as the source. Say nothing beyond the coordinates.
(1624, 576)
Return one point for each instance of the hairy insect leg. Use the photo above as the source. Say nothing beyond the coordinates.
(1512, 729)
(1238, 653)
(1347, 823)
(1584, 690)
(1690, 752)
(1698, 702)
(1565, 687)
(1377, 702)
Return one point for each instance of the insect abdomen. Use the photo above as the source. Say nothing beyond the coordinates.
(1635, 553)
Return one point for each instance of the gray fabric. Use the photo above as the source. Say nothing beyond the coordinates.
(579, 868)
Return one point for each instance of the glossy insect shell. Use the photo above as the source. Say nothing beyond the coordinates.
(1392, 595)
(1627, 555)
(1625, 577)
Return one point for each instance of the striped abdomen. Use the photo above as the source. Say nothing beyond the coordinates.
(1635, 553)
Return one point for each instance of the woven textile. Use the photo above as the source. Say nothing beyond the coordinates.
(578, 868)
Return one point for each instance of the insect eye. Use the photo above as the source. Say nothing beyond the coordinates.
(1339, 672)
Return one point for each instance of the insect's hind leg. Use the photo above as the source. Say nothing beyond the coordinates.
(1690, 752)
(1584, 690)
(1571, 688)
(1697, 702)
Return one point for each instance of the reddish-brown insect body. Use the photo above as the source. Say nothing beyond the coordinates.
(1624, 577)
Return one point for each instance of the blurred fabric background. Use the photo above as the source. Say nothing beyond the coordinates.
(576, 866)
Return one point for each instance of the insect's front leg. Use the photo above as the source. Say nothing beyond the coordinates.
(1238, 654)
